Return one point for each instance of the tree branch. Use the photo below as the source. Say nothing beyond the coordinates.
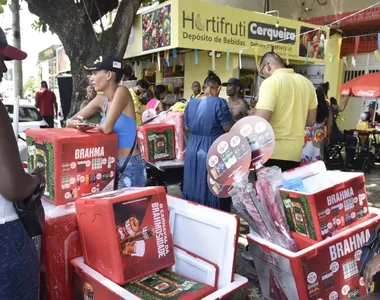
(121, 27)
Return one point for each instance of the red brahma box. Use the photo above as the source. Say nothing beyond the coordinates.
(90, 285)
(156, 141)
(320, 270)
(332, 201)
(125, 234)
(61, 244)
(76, 163)
(181, 137)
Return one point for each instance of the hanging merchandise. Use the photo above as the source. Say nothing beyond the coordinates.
(196, 60)
(353, 61)
(174, 53)
(153, 58)
(180, 60)
(167, 58)
(227, 59)
(135, 68)
(240, 61)
(345, 61)
(213, 60)
(377, 55)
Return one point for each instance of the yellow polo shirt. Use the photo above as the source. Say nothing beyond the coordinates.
(289, 96)
(138, 106)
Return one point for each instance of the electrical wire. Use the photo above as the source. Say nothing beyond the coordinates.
(315, 29)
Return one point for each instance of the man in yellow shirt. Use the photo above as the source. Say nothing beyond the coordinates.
(288, 102)
(141, 87)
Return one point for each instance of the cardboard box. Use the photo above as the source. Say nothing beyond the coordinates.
(320, 270)
(61, 244)
(125, 234)
(89, 284)
(332, 201)
(156, 141)
(75, 163)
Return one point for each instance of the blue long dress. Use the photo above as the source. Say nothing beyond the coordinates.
(205, 118)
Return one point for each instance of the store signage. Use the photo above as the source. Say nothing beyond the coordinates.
(48, 53)
(270, 33)
(366, 93)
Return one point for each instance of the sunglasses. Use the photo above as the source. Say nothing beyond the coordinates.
(261, 74)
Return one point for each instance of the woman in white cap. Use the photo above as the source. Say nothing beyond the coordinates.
(19, 264)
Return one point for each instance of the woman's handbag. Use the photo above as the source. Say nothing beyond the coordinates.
(31, 213)
(370, 250)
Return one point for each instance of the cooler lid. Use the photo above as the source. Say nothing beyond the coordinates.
(52, 211)
(194, 267)
(305, 171)
(206, 232)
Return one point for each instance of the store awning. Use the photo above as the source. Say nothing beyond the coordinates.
(203, 25)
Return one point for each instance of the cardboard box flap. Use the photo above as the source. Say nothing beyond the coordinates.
(239, 282)
(194, 267)
(193, 225)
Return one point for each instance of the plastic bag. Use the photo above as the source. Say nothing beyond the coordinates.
(268, 181)
(258, 213)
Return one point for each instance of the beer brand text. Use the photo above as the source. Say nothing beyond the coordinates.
(338, 197)
(349, 245)
(89, 153)
(160, 229)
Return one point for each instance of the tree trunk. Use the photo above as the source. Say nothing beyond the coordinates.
(71, 23)
(17, 64)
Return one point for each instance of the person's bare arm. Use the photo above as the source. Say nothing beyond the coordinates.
(161, 106)
(88, 111)
(15, 184)
(344, 105)
(311, 117)
(120, 100)
(264, 113)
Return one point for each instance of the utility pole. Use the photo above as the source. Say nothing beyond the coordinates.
(17, 64)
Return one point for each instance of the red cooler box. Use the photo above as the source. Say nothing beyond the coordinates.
(61, 244)
(89, 284)
(156, 141)
(181, 136)
(76, 163)
(332, 201)
(320, 270)
(125, 234)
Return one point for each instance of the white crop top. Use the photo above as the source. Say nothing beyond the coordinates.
(7, 211)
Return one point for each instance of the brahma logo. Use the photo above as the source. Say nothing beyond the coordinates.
(349, 245)
(368, 93)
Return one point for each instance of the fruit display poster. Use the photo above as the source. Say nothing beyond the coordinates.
(156, 28)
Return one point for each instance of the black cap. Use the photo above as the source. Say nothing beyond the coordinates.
(109, 63)
(233, 81)
(9, 52)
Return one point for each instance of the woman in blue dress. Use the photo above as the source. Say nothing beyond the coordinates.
(207, 119)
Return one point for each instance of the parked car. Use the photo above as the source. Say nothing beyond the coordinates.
(29, 116)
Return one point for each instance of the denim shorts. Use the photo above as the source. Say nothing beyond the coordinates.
(19, 264)
(134, 174)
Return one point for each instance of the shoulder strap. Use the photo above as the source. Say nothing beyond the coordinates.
(105, 104)
(127, 159)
